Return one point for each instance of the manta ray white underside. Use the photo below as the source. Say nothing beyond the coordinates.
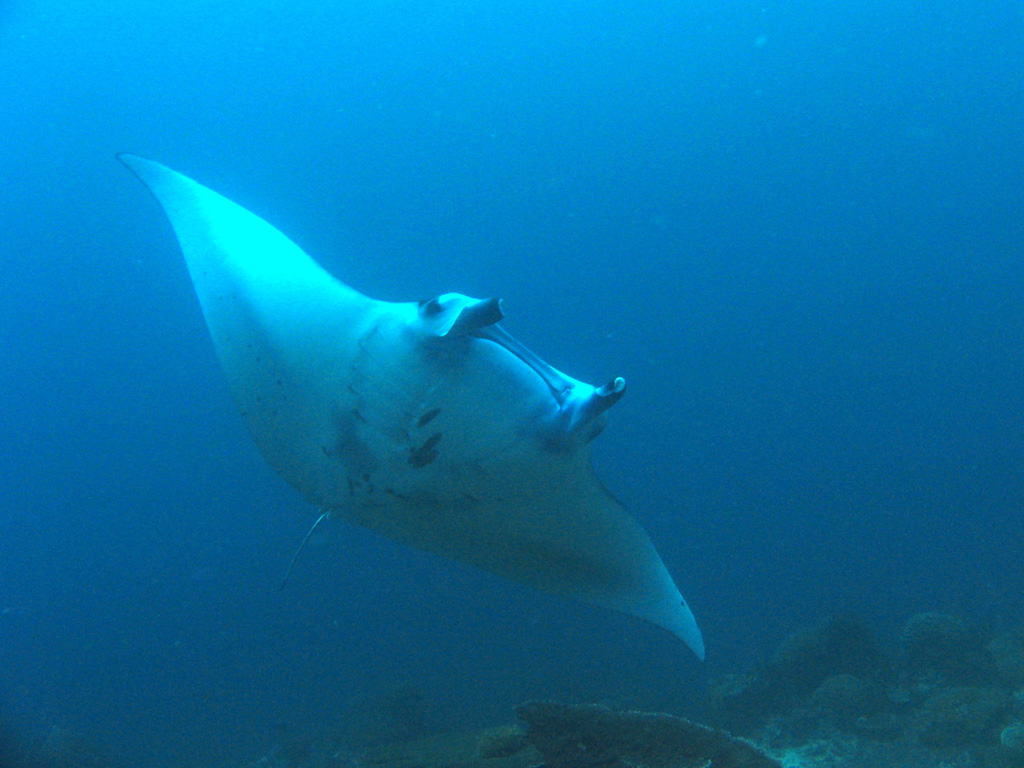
(424, 421)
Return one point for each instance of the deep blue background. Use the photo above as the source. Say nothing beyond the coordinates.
(795, 228)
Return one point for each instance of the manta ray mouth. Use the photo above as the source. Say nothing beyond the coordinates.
(580, 406)
(455, 314)
(559, 384)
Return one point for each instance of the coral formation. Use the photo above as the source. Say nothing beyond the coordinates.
(738, 701)
(847, 696)
(1007, 652)
(440, 751)
(828, 697)
(841, 645)
(590, 735)
(948, 691)
(841, 648)
(503, 741)
(958, 716)
(1012, 737)
(937, 647)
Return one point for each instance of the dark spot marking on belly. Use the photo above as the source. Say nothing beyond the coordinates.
(425, 454)
(427, 417)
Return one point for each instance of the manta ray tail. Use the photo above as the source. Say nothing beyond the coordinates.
(302, 544)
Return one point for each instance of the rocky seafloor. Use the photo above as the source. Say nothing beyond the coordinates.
(950, 695)
(947, 696)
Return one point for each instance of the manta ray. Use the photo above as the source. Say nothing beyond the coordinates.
(425, 421)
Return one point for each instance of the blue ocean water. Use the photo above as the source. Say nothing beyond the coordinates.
(796, 229)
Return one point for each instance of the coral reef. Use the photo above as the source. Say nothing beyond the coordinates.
(1012, 737)
(841, 645)
(939, 648)
(471, 750)
(1007, 652)
(948, 696)
(959, 716)
(847, 696)
(739, 701)
(503, 741)
(841, 648)
(828, 697)
(590, 735)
